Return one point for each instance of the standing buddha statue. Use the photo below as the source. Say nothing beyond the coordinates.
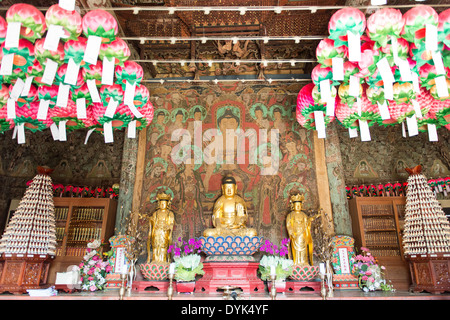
(160, 230)
(298, 226)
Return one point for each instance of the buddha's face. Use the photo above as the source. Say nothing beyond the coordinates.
(229, 189)
(297, 206)
(163, 204)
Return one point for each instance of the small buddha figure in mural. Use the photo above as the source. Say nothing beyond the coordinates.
(298, 226)
(160, 230)
(230, 213)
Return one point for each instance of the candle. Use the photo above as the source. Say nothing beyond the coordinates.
(172, 268)
(322, 268)
(272, 271)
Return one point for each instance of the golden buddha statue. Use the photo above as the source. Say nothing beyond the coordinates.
(229, 214)
(298, 225)
(160, 230)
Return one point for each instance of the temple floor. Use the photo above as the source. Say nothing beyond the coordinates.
(153, 295)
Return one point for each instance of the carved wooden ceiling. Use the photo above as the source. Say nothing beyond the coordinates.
(226, 24)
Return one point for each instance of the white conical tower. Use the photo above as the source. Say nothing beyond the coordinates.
(427, 230)
(32, 227)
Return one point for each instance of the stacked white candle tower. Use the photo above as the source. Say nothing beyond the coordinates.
(32, 228)
(427, 230)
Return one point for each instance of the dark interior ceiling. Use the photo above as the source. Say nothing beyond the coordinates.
(226, 24)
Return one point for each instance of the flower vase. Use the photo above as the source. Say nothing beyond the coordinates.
(185, 286)
(131, 275)
(280, 285)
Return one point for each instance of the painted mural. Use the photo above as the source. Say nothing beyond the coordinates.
(250, 110)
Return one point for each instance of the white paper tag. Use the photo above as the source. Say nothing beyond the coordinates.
(411, 123)
(21, 133)
(358, 106)
(55, 132)
(320, 124)
(352, 132)
(63, 95)
(50, 71)
(441, 86)
(62, 131)
(108, 132)
(354, 46)
(337, 65)
(135, 111)
(67, 4)
(438, 62)
(431, 36)
(81, 108)
(7, 64)
(415, 81)
(88, 134)
(17, 89)
(14, 135)
(12, 35)
(54, 34)
(128, 97)
(71, 76)
(325, 89)
(353, 89)
(417, 109)
(43, 109)
(365, 132)
(11, 109)
(108, 69)
(388, 90)
(331, 106)
(432, 132)
(92, 49)
(111, 108)
(378, 2)
(385, 70)
(403, 129)
(93, 91)
(27, 86)
(132, 129)
(405, 71)
(384, 110)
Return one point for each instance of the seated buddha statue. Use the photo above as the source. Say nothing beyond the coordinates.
(298, 226)
(229, 213)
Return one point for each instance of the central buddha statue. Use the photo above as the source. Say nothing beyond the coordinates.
(230, 213)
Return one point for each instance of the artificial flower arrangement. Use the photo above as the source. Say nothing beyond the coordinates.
(275, 259)
(187, 259)
(93, 269)
(369, 273)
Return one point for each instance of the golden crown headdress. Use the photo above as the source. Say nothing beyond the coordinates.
(297, 197)
(163, 196)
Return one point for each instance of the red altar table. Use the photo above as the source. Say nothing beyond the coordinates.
(140, 286)
(230, 271)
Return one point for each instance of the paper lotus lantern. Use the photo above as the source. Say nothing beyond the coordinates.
(23, 55)
(80, 93)
(344, 94)
(403, 51)
(117, 50)
(70, 21)
(141, 96)
(326, 51)
(434, 93)
(5, 124)
(444, 27)
(93, 72)
(416, 19)
(30, 97)
(36, 71)
(61, 73)
(48, 93)
(344, 20)
(43, 54)
(349, 116)
(443, 115)
(403, 92)
(130, 72)
(427, 76)
(3, 27)
(384, 24)
(375, 94)
(28, 116)
(32, 20)
(147, 116)
(432, 107)
(317, 97)
(100, 23)
(69, 114)
(114, 91)
(74, 49)
(4, 95)
(306, 107)
(120, 119)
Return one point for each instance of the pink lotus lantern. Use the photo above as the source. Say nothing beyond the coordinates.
(344, 20)
(5, 124)
(434, 92)
(111, 92)
(28, 116)
(4, 95)
(30, 97)
(427, 76)
(326, 51)
(444, 27)
(100, 23)
(432, 106)
(93, 72)
(397, 112)
(130, 72)
(23, 55)
(416, 19)
(36, 71)
(375, 94)
(74, 49)
(318, 97)
(69, 114)
(349, 116)
(61, 73)
(117, 50)
(443, 115)
(48, 93)
(344, 94)
(69, 20)
(3, 27)
(43, 54)
(141, 96)
(32, 20)
(384, 24)
(403, 92)
(120, 119)
(81, 92)
(147, 116)
(306, 107)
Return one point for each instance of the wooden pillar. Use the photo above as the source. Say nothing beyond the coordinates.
(140, 166)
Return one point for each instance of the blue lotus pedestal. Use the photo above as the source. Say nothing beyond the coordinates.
(230, 263)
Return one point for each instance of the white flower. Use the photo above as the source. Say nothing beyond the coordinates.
(94, 244)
